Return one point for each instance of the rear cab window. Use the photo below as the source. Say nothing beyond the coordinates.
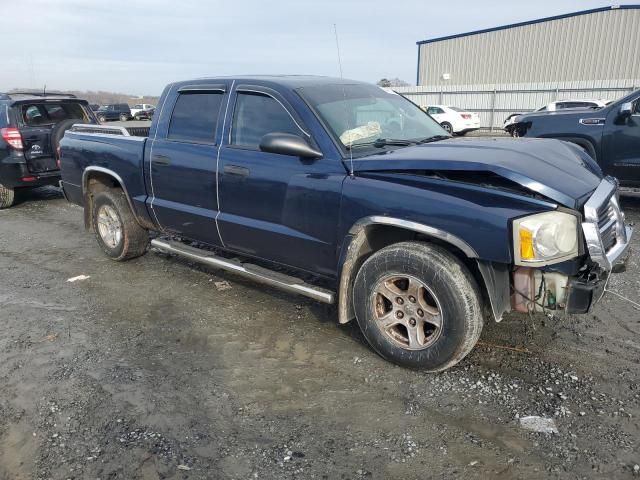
(256, 115)
(195, 117)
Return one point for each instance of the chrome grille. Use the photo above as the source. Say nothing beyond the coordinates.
(607, 222)
(604, 229)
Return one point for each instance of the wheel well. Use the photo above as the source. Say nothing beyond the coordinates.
(95, 183)
(373, 238)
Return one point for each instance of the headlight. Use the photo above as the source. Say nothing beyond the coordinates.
(545, 238)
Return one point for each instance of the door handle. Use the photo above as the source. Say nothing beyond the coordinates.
(161, 160)
(236, 170)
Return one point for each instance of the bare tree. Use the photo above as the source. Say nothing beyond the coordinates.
(393, 82)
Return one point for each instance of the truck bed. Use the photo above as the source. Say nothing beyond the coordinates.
(98, 148)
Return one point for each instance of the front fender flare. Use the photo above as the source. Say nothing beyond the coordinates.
(357, 245)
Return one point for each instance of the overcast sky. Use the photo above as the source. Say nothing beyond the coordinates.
(137, 46)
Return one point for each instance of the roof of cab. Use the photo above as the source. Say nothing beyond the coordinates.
(289, 81)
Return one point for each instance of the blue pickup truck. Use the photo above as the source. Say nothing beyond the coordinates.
(348, 194)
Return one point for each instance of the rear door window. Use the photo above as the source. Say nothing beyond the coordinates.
(195, 117)
(257, 115)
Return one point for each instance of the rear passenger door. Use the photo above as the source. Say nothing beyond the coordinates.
(437, 114)
(277, 207)
(182, 165)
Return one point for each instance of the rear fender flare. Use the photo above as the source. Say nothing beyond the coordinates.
(86, 175)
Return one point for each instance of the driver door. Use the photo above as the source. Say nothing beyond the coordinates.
(621, 145)
(276, 207)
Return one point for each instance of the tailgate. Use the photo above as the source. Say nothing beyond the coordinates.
(37, 149)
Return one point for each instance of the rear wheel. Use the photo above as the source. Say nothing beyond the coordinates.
(418, 306)
(447, 126)
(123, 117)
(7, 196)
(102, 118)
(117, 231)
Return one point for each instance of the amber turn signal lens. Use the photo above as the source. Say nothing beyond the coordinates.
(526, 245)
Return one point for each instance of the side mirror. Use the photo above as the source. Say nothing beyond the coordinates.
(626, 109)
(288, 144)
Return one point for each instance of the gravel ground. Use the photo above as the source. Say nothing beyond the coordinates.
(152, 369)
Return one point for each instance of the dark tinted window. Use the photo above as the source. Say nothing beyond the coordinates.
(575, 105)
(255, 116)
(51, 113)
(434, 111)
(636, 107)
(195, 117)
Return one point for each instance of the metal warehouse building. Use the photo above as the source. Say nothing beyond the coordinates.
(520, 67)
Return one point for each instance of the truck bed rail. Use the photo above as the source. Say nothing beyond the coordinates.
(111, 130)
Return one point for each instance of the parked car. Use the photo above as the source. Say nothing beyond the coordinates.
(31, 126)
(94, 107)
(140, 107)
(553, 107)
(453, 119)
(609, 134)
(364, 198)
(114, 111)
(146, 114)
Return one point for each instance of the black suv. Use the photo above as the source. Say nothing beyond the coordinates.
(114, 111)
(31, 126)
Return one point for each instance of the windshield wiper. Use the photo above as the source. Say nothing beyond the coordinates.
(383, 142)
(434, 138)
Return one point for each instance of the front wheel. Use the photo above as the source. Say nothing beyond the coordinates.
(117, 231)
(418, 306)
(7, 196)
(102, 118)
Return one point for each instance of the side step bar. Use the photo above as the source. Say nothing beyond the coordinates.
(254, 272)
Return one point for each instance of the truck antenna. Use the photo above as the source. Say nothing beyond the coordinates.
(344, 95)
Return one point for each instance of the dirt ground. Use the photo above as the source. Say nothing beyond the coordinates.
(149, 370)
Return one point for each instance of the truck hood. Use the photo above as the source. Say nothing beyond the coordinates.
(554, 169)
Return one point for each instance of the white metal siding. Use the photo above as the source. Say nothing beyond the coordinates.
(597, 46)
(495, 102)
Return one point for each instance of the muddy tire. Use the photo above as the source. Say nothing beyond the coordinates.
(7, 197)
(418, 306)
(117, 231)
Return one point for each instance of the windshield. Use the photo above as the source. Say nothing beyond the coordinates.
(365, 115)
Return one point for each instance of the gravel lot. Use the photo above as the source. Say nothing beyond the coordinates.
(151, 369)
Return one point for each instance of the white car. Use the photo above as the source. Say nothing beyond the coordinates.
(139, 107)
(555, 106)
(454, 120)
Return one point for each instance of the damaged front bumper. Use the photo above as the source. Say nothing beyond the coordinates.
(607, 240)
(573, 289)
